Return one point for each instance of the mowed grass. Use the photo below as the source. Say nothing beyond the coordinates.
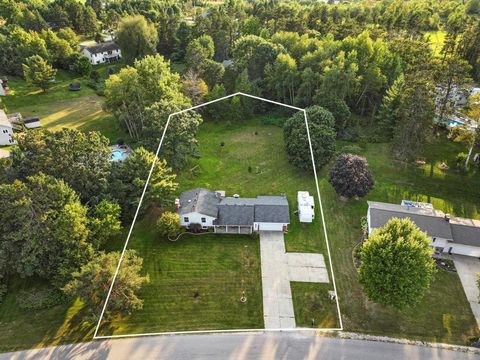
(251, 162)
(196, 283)
(59, 108)
(444, 314)
(312, 305)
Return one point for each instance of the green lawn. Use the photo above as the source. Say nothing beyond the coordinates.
(444, 314)
(249, 164)
(312, 305)
(195, 284)
(59, 107)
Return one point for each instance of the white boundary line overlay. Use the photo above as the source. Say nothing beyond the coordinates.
(96, 336)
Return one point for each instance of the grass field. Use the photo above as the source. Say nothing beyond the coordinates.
(59, 107)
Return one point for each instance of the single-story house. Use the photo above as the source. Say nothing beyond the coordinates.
(102, 53)
(207, 209)
(452, 235)
(6, 130)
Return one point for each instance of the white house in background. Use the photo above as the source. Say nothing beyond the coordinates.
(3, 91)
(207, 209)
(451, 235)
(106, 52)
(6, 130)
(306, 207)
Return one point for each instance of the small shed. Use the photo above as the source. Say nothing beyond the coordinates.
(32, 123)
(306, 207)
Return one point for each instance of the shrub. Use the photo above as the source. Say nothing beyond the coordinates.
(460, 159)
(351, 149)
(37, 299)
(168, 224)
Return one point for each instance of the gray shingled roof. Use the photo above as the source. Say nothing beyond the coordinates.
(434, 226)
(102, 47)
(459, 230)
(466, 235)
(235, 215)
(199, 200)
(272, 214)
(246, 211)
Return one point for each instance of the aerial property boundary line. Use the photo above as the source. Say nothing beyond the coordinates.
(340, 328)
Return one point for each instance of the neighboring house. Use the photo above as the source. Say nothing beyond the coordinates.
(3, 91)
(6, 130)
(106, 52)
(450, 235)
(306, 207)
(206, 209)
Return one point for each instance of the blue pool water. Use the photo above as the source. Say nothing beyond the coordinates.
(453, 123)
(118, 155)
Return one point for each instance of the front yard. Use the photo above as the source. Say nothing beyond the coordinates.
(196, 283)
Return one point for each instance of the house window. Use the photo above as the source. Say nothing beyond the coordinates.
(5, 131)
(434, 239)
(185, 219)
(204, 220)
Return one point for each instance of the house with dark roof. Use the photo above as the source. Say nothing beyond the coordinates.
(101, 53)
(207, 209)
(448, 234)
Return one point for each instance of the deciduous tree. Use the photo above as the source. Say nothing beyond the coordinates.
(136, 38)
(93, 280)
(322, 134)
(350, 176)
(397, 266)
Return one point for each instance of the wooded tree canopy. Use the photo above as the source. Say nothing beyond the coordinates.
(44, 229)
(80, 159)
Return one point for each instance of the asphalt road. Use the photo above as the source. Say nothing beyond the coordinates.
(292, 345)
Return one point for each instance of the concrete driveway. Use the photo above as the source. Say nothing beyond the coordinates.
(278, 269)
(467, 269)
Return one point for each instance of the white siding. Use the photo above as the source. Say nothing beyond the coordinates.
(196, 218)
(100, 58)
(6, 133)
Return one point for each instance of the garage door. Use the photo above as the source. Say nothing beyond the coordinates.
(270, 227)
(463, 250)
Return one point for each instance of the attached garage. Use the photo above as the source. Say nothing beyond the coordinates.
(269, 226)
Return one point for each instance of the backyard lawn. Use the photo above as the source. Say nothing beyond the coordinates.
(59, 107)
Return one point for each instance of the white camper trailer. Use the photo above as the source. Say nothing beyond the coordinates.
(306, 207)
